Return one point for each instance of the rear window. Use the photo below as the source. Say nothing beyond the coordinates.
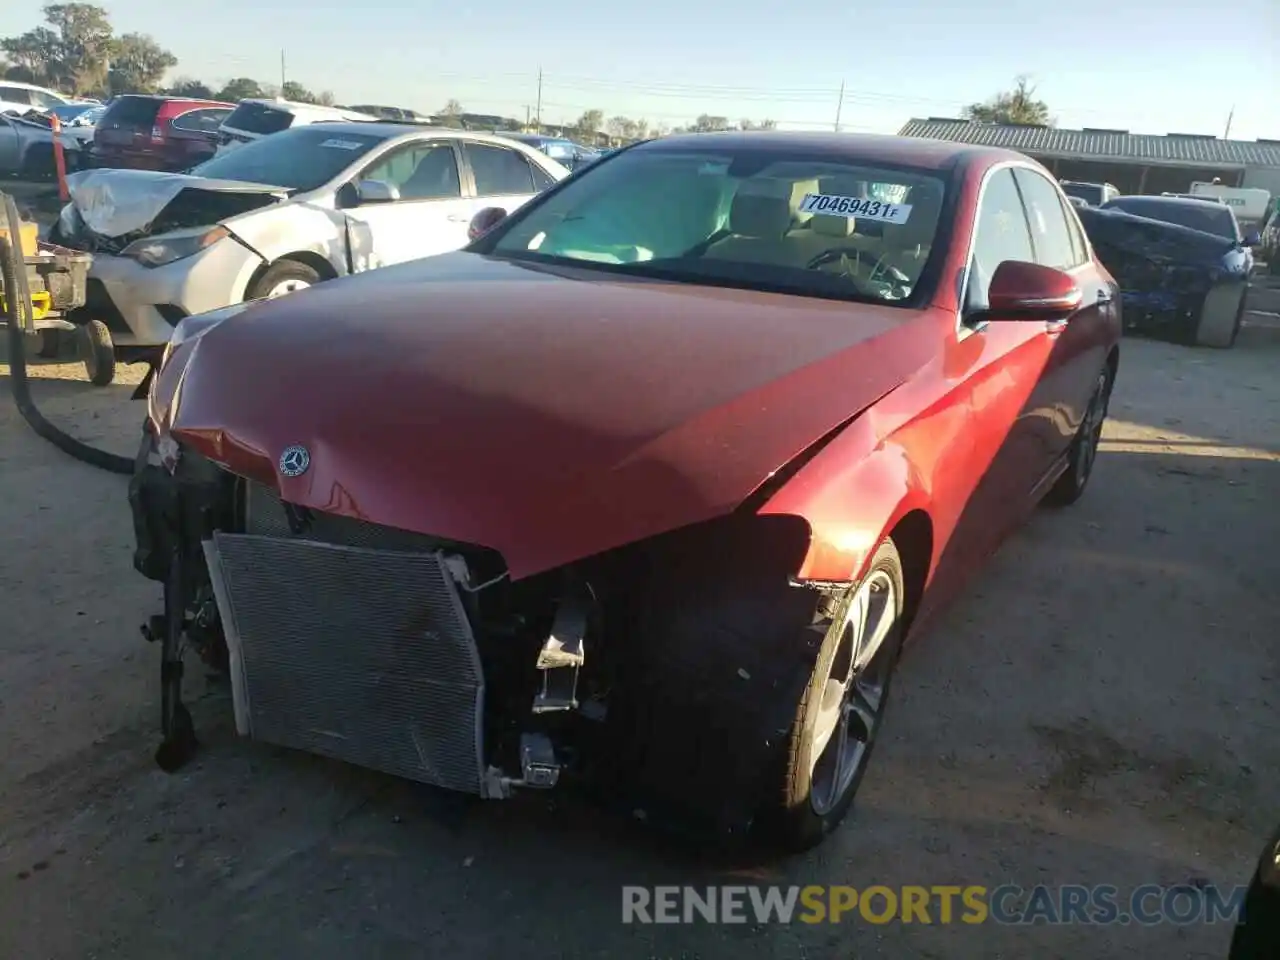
(303, 158)
(1206, 216)
(258, 118)
(131, 112)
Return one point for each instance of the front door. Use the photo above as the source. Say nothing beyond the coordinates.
(1006, 450)
(1075, 344)
(430, 215)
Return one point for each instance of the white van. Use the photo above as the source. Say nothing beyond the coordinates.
(1249, 203)
(252, 119)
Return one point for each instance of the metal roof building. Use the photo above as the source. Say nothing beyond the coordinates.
(1136, 163)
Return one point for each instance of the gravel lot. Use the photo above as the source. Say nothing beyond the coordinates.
(1101, 709)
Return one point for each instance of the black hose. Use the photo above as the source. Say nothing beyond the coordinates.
(17, 304)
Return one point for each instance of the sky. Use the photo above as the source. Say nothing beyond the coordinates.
(1147, 66)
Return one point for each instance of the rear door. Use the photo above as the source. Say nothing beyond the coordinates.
(430, 217)
(500, 176)
(1076, 345)
(123, 135)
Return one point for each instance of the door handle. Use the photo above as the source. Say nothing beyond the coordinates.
(1055, 327)
(1104, 297)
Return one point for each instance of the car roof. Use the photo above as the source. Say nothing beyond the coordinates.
(163, 98)
(1142, 200)
(294, 106)
(29, 86)
(867, 147)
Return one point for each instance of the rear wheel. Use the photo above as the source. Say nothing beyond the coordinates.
(1084, 449)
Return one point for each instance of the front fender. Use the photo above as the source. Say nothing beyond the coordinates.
(851, 495)
(295, 226)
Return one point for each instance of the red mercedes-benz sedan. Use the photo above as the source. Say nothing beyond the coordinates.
(648, 486)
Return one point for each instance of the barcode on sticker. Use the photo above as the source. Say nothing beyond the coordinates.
(855, 207)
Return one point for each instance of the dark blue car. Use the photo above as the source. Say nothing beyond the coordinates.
(1183, 265)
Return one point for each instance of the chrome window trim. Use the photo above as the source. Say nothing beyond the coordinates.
(963, 330)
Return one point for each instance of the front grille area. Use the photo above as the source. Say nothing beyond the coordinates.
(351, 642)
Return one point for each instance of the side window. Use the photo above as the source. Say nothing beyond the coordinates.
(15, 95)
(45, 100)
(200, 121)
(1049, 234)
(541, 179)
(1079, 247)
(1001, 235)
(420, 171)
(498, 171)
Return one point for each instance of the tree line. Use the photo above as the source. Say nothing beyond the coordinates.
(77, 52)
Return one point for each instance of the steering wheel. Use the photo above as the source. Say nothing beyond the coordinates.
(881, 273)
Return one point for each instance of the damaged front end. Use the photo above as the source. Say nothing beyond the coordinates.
(1167, 273)
(421, 658)
(115, 211)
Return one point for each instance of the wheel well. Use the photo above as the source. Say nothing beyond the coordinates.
(313, 260)
(913, 537)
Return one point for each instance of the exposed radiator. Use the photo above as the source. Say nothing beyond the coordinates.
(365, 655)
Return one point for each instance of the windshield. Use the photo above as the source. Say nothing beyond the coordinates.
(1090, 193)
(300, 159)
(1206, 216)
(747, 219)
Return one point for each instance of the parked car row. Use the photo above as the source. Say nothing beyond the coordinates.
(280, 214)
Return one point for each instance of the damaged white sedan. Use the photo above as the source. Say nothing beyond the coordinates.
(282, 214)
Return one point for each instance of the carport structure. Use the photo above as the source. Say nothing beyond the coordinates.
(1135, 163)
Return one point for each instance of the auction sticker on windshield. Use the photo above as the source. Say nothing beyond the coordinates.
(343, 144)
(855, 207)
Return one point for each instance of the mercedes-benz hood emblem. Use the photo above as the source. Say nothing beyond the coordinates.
(294, 460)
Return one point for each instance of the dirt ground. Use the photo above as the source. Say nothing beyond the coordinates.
(1101, 709)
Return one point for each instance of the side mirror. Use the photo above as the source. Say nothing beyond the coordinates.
(484, 221)
(1030, 291)
(377, 191)
(1252, 238)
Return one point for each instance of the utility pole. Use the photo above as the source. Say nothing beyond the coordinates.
(526, 118)
(1230, 116)
(282, 71)
(538, 112)
(839, 106)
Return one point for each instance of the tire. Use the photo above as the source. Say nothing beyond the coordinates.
(281, 278)
(812, 801)
(1216, 325)
(38, 163)
(98, 353)
(1071, 485)
(50, 344)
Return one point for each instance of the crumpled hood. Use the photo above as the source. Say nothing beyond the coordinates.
(547, 414)
(114, 203)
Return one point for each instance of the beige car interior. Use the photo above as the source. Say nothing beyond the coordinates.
(766, 225)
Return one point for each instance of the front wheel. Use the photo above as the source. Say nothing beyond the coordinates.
(843, 706)
(98, 353)
(282, 278)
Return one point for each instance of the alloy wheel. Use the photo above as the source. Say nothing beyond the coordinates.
(854, 691)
